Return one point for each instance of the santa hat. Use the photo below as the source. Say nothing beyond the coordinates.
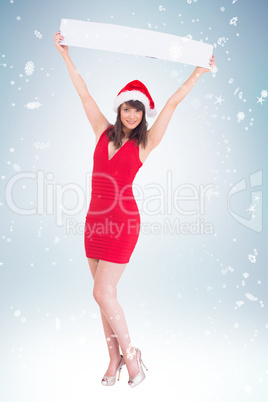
(136, 90)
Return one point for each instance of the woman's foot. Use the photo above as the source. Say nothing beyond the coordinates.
(109, 380)
(139, 376)
(132, 364)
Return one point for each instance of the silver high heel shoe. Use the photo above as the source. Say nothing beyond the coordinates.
(111, 380)
(133, 381)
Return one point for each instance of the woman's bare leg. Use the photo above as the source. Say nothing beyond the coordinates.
(106, 277)
(111, 339)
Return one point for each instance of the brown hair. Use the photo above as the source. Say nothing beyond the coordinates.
(138, 134)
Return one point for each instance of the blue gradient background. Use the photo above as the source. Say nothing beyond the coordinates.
(179, 292)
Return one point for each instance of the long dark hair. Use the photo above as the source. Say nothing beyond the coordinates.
(115, 133)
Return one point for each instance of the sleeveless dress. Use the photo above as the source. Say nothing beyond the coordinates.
(112, 224)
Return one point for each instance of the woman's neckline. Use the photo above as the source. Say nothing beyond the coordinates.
(109, 159)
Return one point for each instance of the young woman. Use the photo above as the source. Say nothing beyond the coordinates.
(113, 221)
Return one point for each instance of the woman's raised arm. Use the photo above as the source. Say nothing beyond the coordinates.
(98, 121)
(158, 129)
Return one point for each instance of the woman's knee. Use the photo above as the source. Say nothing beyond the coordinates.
(102, 294)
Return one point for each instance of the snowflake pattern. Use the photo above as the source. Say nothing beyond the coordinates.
(252, 258)
(16, 167)
(33, 105)
(56, 240)
(251, 208)
(221, 41)
(233, 21)
(264, 94)
(250, 297)
(228, 269)
(38, 34)
(240, 116)
(29, 68)
(41, 145)
(175, 51)
(129, 354)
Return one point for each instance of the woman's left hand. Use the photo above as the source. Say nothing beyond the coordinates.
(212, 64)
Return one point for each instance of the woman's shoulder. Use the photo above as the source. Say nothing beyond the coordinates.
(106, 133)
(108, 129)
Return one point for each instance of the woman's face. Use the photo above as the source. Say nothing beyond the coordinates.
(130, 117)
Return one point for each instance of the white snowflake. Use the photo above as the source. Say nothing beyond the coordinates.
(221, 41)
(250, 297)
(252, 258)
(41, 145)
(29, 68)
(233, 21)
(246, 275)
(130, 355)
(214, 71)
(219, 100)
(56, 239)
(16, 167)
(175, 51)
(261, 99)
(251, 208)
(224, 271)
(240, 116)
(240, 303)
(264, 93)
(38, 34)
(255, 251)
(33, 105)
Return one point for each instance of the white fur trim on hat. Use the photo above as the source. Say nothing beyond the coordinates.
(134, 95)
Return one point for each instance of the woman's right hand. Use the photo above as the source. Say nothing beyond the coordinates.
(63, 49)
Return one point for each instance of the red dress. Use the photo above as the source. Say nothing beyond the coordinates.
(113, 221)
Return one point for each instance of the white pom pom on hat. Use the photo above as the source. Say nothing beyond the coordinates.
(136, 90)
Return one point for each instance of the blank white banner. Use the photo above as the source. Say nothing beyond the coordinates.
(139, 42)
